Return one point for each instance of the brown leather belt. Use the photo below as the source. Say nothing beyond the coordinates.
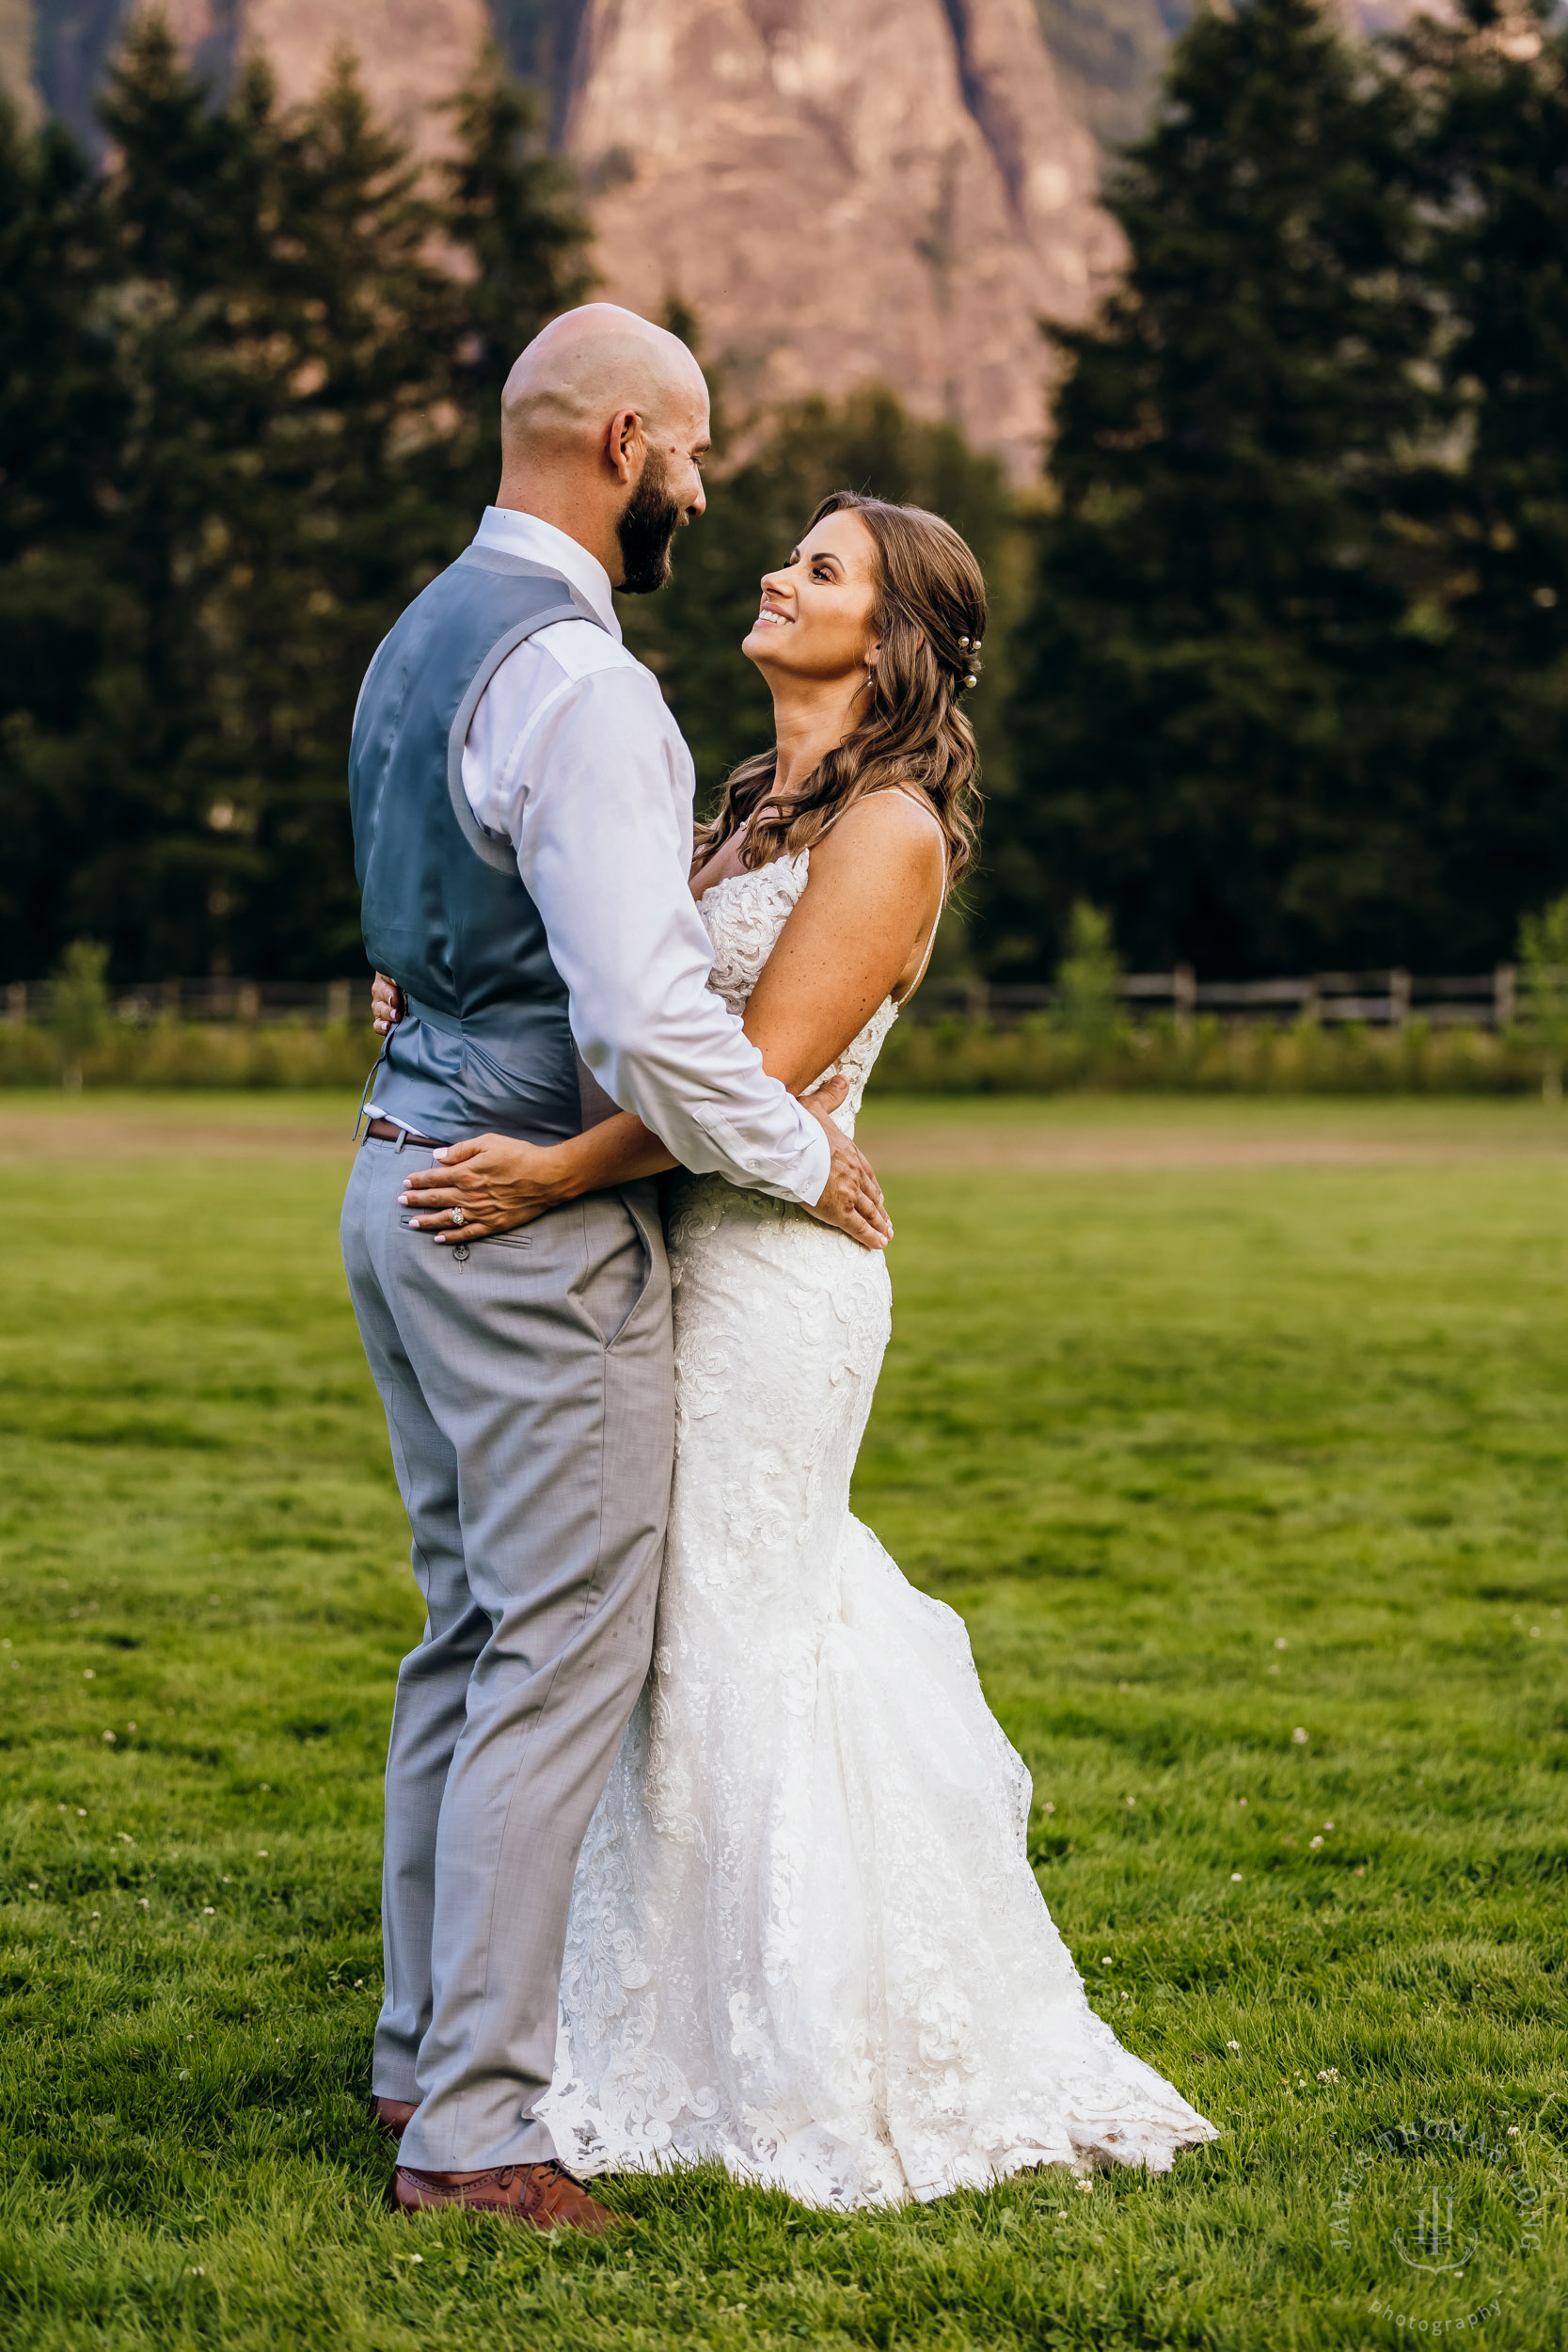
(386, 1131)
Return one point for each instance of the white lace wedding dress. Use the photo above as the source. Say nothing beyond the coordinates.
(805, 1939)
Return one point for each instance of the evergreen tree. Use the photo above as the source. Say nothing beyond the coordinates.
(1496, 147)
(62, 413)
(168, 798)
(511, 207)
(303, 396)
(323, 512)
(1225, 686)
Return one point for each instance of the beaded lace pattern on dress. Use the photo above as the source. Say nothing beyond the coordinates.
(805, 1939)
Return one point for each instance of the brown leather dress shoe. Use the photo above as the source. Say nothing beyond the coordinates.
(542, 2197)
(393, 2116)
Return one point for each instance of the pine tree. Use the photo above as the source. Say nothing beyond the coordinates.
(62, 412)
(331, 511)
(191, 185)
(512, 209)
(1223, 701)
(1496, 147)
(302, 392)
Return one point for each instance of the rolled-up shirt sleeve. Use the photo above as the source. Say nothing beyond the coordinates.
(600, 819)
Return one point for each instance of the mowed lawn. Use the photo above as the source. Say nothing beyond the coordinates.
(1238, 1433)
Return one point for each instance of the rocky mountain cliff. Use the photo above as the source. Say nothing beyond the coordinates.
(839, 189)
(844, 189)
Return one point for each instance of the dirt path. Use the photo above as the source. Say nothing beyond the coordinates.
(1057, 1142)
(103, 1138)
(934, 1150)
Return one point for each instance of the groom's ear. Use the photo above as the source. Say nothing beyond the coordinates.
(626, 445)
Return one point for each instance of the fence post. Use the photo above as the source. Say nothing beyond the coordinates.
(1313, 1003)
(1183, 991)
(1399, 998)
(338, 1001)
(976, 999)
(248, 1001)
(168, 998)
(16, 1003)
(1505, 995)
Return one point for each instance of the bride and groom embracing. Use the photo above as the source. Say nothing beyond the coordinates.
(701, 1841)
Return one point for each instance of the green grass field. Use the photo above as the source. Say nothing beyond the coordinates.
(1237, 1434)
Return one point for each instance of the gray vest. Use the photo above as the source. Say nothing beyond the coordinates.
(484, 1044)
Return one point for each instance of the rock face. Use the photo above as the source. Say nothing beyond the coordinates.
(843, 189)
(411, 54)
(839, 189)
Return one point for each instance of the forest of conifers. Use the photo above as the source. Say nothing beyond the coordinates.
(1278, 671)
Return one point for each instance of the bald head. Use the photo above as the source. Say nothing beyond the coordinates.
(604, 428)
(585, 367)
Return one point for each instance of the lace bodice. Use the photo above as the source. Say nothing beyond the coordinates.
(744, 915)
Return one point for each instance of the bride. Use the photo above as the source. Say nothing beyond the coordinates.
(805, 1940)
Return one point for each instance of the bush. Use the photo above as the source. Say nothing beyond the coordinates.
(1209, 1057)
(79, 1006)
(1087, 1004)
(193, 1054)
(1544, 954)
(948, 1056)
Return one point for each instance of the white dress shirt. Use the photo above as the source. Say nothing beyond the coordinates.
(572, 755)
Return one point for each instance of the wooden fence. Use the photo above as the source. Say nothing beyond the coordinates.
(1385, 1000)
(1388, 1000)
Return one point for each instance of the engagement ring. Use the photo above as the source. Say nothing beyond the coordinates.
(457, 1216)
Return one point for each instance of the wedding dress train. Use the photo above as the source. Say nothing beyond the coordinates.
(805, 1939)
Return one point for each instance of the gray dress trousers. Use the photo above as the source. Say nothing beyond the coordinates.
(529, 1395)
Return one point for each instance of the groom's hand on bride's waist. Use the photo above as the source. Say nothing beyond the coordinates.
(852, 1199)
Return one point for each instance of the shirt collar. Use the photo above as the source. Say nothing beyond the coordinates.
(515, 533)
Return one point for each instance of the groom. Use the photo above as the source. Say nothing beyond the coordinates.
(522, 825)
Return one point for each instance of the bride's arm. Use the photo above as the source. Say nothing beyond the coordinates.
(861, 926)
(857, 936)
(499, 1184)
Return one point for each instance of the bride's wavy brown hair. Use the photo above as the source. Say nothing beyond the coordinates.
(912, 730)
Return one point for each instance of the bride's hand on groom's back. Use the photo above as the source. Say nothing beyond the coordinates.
(852, 1199)
(492, 1184)
(386, 1004)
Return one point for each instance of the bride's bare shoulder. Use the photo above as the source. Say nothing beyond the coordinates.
(890, 825)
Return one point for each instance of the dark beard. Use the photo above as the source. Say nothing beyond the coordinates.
(647, 526)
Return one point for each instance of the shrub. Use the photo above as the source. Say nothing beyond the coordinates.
(1544, 954)
(79, 1006)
